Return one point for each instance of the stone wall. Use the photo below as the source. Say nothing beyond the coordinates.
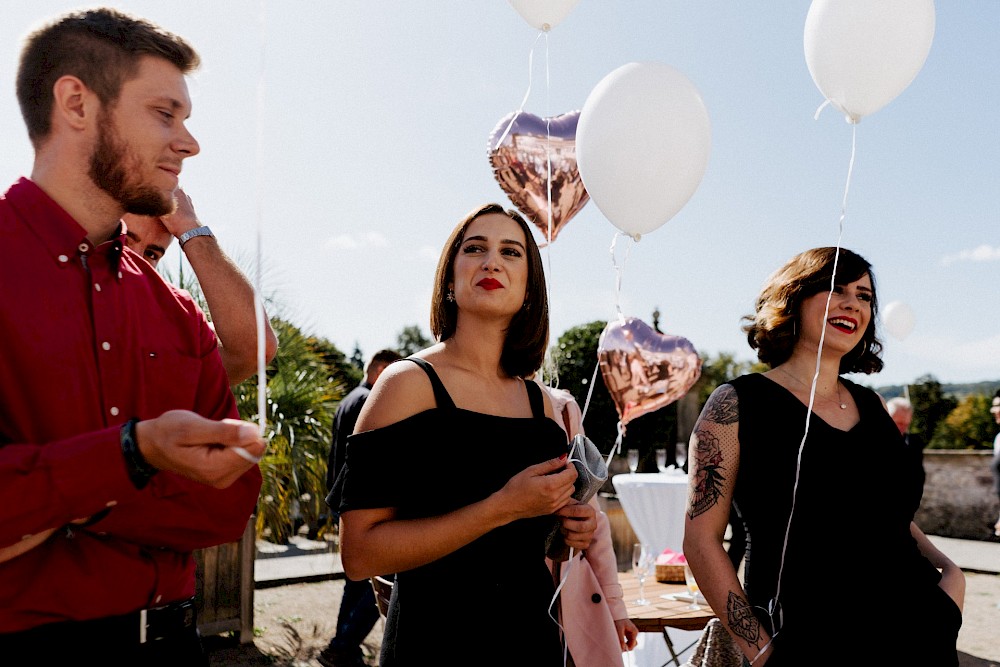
(958, 497)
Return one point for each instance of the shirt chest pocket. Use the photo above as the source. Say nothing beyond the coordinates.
(168, 380)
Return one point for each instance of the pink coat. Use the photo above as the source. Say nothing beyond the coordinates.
(591, 598)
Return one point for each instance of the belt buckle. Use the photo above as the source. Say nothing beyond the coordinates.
(142, 626)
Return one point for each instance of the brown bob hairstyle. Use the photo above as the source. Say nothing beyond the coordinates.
(528, 334)
(773, 330)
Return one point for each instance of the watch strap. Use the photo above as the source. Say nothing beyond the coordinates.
(191, 233)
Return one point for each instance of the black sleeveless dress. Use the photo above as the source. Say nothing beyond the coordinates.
(488, 602)
(852, 574)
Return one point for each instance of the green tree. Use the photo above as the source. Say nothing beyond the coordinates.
(930, 406)
(968, 426)
(411, 339)
(301, 397)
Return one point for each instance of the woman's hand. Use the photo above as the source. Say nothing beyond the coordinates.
(540, 489)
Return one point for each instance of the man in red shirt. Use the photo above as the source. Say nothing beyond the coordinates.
(120, 448)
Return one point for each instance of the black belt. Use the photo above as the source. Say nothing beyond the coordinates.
(138, 627)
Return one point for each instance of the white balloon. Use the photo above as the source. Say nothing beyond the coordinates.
(642, 145)
(863, 53)
(543, 14)
(899, 319)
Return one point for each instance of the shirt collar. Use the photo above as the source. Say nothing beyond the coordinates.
(57, 230)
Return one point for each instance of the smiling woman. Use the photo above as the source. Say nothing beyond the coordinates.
(766, 447)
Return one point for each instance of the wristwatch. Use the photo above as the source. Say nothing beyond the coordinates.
(191, 233)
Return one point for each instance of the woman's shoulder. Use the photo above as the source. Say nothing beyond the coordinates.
(402, 390)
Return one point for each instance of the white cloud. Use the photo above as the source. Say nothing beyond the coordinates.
(356, 241)
(982, 253)
(968, 361)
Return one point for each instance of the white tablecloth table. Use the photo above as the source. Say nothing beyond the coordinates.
(654, 504)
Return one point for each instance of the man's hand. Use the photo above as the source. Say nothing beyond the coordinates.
(200, 449)
(183, 219)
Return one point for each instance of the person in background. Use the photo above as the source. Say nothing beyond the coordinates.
(228, 294)
(120, 448)
(901, 411)
(592, 609)
(358, 611)
(995, 465)
(774, 443)
(456, 471)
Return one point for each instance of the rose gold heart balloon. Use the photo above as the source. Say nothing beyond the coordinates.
(645, 370)
(522, 149)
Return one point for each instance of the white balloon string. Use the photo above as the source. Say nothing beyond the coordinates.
(258, 305)
(819, 353)
(524, 100)
(619, 270)
(590, 390)
(548, 141)
(820, 109)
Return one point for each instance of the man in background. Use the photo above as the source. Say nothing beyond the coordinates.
(358, 611)
(228, 294)
(901, 411)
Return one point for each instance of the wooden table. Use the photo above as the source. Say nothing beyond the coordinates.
(662, 613)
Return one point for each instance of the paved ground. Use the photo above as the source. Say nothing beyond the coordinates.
(298, 595)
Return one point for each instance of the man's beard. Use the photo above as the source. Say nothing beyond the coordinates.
(109, 171)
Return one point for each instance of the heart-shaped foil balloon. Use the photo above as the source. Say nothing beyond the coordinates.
(643, 369)
(523, 148)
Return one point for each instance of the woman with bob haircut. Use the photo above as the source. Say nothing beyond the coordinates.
(775, 444)
(456, 471)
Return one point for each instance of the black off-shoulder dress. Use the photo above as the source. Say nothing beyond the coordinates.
(488, 602)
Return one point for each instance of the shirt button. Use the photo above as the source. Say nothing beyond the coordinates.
(83, 247)
(119, 275)
(106, 345)
(158, 598)
(63, 258)
(111, 503)
(97, 286)
(114, 411)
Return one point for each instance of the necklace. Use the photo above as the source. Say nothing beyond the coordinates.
(839, 401)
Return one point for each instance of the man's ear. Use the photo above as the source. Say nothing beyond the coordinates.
(73, 102)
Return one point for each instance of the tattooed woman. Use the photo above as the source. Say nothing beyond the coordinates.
(829, 549)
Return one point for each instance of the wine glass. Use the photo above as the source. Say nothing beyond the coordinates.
(692, 585)
(633, 460)
(642, 563)
(661, 459)
(681, 454)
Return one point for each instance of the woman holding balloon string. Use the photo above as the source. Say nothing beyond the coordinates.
(813, 524)
(463, 521)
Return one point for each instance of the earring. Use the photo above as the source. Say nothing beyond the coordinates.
(450, 296)
(525, 306)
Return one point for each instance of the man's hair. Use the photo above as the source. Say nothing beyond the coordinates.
(774, 328)
(384, 357)
(101, 47)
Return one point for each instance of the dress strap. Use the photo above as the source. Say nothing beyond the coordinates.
(535, 398)
(441, 394)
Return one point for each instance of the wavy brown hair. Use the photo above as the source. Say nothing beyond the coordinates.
(528, 333)
(773, 329)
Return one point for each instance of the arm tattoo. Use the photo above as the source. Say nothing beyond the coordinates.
(742, 622)
(709, 477)
(722, 406)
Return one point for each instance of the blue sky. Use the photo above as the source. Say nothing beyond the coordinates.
(341, 142)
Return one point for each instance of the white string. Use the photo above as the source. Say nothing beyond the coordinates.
(775, 607)
(524, 100)
(258, 305)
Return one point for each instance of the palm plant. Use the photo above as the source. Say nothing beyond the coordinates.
(301, 398)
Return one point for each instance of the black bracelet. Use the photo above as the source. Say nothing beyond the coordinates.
(139, 470)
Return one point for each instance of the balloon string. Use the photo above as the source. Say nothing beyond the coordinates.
(619, 270)
(819, 353)
(258, 305)
(527, 93)
(548, 140)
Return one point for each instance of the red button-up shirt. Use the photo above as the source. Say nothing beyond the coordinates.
(89, 338)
